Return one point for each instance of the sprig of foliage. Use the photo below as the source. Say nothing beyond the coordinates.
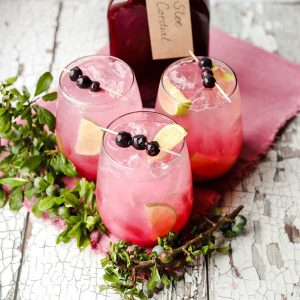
(32, 166)
(138, 273)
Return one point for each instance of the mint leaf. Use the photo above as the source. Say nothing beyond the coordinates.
(3, 198)
(50, 97)
(32, 162)
(43, 83)
(16, 199)
(45, 117)
(154, 280)
(13, 182)
(47, 203)
(11, 80)
(224, 250)
(5, 123)
(36, 210)
(3, 110)
(74, 231)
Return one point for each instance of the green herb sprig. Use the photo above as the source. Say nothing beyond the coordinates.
(137, 273)
(32, 166)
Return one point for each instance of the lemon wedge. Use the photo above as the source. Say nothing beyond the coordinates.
(89, 138)
(179, 105)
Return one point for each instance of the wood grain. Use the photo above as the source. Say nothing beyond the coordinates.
(25, 49)
(265, 263)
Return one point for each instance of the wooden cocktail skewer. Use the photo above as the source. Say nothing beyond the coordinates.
(103, 87)
(116, 133)
(217, 85)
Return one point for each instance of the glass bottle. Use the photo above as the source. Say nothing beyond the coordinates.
(130, 40)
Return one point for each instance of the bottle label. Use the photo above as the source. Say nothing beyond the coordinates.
(170, 28)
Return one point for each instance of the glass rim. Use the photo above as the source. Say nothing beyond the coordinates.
(190, 58)
(79, 100)
(136, 168)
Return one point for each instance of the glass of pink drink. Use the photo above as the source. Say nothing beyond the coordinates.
(141, 197)
(79, 140)
(214, 125)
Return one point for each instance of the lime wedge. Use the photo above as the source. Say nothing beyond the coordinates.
(170, 136)
(179, 106)
(219, 73)
(161, 218)
(89, 138)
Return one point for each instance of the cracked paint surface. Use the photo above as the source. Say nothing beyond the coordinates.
(268, 255)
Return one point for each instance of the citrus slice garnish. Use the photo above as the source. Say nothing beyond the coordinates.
(89, 138)
(177, 107)
(168, 137)
(219, 73)
(161, 218)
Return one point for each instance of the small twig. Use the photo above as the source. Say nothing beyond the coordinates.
(226, 218)
(209, 221)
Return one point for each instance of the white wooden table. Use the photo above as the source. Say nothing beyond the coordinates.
(38, 35)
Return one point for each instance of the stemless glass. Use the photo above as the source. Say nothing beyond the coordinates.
(214, 124)
(79, 139)
(141, 197)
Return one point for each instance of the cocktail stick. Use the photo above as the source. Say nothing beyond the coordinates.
(103, 87)
(116, 133)
(217, 85)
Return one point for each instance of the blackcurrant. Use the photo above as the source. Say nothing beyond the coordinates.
(139, 142)
(124, 139)
(205, 62)
(75, 73)
(152, 148)
(95, 86)
(209, 81)
(84, 82)
(206, 71)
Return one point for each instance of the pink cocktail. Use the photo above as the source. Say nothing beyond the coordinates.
(79, 139)
(214, 125)
(141, 197)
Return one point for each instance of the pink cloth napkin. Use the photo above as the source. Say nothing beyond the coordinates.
(270, 93)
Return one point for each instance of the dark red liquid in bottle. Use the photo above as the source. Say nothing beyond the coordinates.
(130, 41)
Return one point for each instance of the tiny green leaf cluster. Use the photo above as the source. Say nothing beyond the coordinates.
(137, 273)
(32, 167)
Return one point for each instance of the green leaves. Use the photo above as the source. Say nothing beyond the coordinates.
(46, 203)
(3, 198)
(60, 164)
(13, 182)
(16, 198)
(43, 83)
(154, 279)
(50, 97)
(32, 162)
(11, 80)
(235, 228)
(45, 117)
